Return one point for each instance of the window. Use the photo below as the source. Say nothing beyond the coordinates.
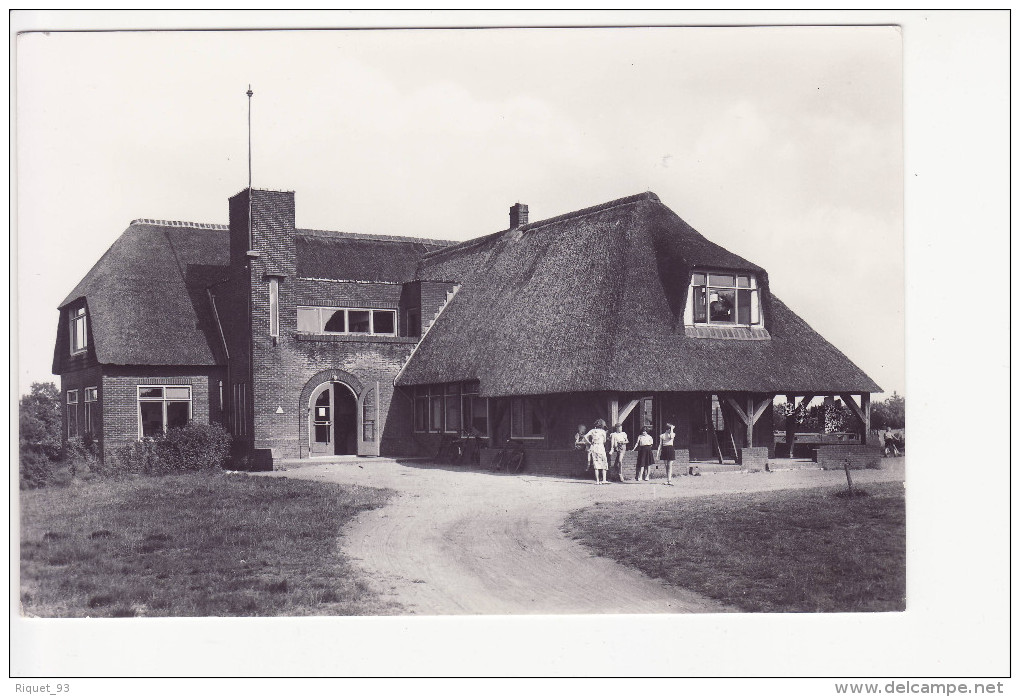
(72, 413)
(475, 410)
(721, 298)
(161, 408)
(436, 413)
(453, 424)
(421, 409)
(79, 330)
(336, 320)
(274, 307)
(524, 420)
(91, 397)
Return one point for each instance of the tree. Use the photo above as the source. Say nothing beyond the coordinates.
(39, 427)
(889, 413)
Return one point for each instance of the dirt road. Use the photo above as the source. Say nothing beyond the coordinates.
(473, 542)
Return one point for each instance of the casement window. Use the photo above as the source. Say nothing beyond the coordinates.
(421, 409)
(724, 299)
(79, 330)
(346, 320)
(524, 421)
(435, 412)
(72, 413)
(274, 307)
(91, 407)
(475, 410)
(452, 403)
(162, 407)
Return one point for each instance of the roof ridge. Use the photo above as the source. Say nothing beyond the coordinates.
(466, 244)
(178, 223)
(311, 232)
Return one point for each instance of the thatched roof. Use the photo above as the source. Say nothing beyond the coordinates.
(593, 301)
(146, 296)
(352, 257)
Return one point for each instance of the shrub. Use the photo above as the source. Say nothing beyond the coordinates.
(81, 455)
(39, 424)
(190, 448)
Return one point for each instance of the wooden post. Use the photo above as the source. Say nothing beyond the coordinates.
(750, 420)
(866, 408)
(791, 424)
(614, 412)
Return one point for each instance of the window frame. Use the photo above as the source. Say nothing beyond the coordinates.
(524, 400)
(72, 413)
(76, 316)
(469, 396)
(90, 406)
(274, 307)
(321, 323)
(752, 289)
(164, 400)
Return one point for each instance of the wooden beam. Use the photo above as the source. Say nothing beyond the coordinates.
(806, 399)
(750, 421)
(736, 407)
(849, 400)
(715, 439)
(866, 407)
(625, 412)
(614, 411)
(761, 410)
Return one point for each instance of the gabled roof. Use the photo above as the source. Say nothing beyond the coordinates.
(593, 301)
(146, 296)
(354, 257)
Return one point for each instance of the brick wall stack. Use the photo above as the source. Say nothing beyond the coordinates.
(754, 459)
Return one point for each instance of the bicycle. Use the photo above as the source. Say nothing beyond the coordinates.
(510, 458)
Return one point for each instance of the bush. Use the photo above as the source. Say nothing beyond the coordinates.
(191, 448)
(81, 455)
(39, 424)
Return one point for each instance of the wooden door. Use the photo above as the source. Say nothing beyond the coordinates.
(320, 421)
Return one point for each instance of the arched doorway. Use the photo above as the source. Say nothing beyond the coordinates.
(332, 420)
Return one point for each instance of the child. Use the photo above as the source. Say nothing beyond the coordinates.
(645, 458)
(618, 446)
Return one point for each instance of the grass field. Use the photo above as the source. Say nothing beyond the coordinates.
(781, 551)
(192, 545)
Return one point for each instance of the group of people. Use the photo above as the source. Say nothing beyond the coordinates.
(595, 440)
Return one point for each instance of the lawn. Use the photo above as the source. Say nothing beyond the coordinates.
(192, 545)
(781, 551)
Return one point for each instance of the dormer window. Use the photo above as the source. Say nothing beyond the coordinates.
(79, 330)
(726, 299)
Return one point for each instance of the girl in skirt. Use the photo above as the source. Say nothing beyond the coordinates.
(645, 457)
(667, 453)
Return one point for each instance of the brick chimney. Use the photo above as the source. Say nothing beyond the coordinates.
(518, 215)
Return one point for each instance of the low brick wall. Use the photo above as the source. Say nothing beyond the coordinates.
(861, 456)
(754, 459)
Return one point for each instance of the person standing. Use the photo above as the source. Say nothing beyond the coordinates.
(645, 457)
(618, 447)
(581, 444)
(667, 453)
(596, 439)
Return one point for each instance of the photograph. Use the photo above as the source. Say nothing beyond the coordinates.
(431, 321)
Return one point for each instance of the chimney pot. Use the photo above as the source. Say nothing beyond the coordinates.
(518, 215)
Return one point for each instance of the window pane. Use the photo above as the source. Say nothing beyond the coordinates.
(516, 417)
(698, 279)
(335, 323)
(755, 311)
(91, 394)
(725, 280)
(700, 305)
(383, 321)
(480, 415)
(307, 319)
(178, 393)
(72, 397)
(322, 434)
(358, 321)
(152, 418)
(453, 413)
(721, 305)
(743, 282)
(436, 409)
(177, 414)
(534, 423)
(453, 388)
(743, 306)
(150, 392)
(274, 307)
(421, 411)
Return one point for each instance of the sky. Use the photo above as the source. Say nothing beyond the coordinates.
(782, 144)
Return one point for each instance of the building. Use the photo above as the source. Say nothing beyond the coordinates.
(307, 343)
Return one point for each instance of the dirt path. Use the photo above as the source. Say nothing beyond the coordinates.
(472, 542)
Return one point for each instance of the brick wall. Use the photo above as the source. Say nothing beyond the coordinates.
(861, 456)
(118, 397)
(754, 459)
